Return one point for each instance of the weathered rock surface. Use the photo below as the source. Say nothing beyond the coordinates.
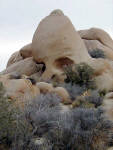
(15, 57)
(19, 89)
(103, 73)
(60, 91)
(63, 94)
(56, 43)
(95, 44)
(45, 87)
(108, 107)
(97, 34)
(26, 66)
(26, 51)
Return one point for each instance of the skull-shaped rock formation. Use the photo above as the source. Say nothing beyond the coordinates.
(56, 43)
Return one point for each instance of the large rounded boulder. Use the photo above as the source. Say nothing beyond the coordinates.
(56, 42)
(26, 66)
(26, 51)
(97, 34)
(15, 57)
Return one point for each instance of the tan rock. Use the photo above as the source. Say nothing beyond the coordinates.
(109, 95)
(108, 108)
(15, 57)
(57, 43)
(97, 34)
(19, 89)
(95, 44)
(26, 51)
(103, 73)
(60, 91)
(63, 94)
(26, 66)
(108, 105)
(110, 148)
(44, 87)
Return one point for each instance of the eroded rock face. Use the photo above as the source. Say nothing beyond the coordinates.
(26, 66)
(95, 38)
(15, 57)
(23, 53)
(26, 51)
(108, 108)
(19, 89)
(23, 89)
(57, 43)
(97, 34)
(60, 91)
(97, 45)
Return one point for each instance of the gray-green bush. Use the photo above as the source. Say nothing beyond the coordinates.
(43, 125)
(81, 74)
(97, 53)
(79, 128)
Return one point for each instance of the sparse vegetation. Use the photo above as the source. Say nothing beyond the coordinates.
(74, 90)
(80, 128)
(97, 53)
(6, 119)
(13, 124)
(81, 74)
(44, 125)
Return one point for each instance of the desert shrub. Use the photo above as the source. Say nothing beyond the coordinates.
(97, 53)
(35, 121)
(95, 98)
(81, 102)
(79, 128)
(81, 74)
(74, 90)
(43, 125)
(88, 99)
(92, 130)
(102, 92)
(6, 119)
(14, 128)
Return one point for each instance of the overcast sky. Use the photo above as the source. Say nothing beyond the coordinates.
(19, 19)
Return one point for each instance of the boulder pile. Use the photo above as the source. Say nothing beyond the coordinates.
(39, 67)
(56, 43)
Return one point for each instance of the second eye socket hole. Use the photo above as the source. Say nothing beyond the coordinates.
(60, 63)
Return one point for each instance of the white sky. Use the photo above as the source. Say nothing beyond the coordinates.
(19, 19)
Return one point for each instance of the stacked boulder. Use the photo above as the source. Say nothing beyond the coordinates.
(56, 43)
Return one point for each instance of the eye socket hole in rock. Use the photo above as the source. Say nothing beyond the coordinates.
(62, 62)
(41, 67)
